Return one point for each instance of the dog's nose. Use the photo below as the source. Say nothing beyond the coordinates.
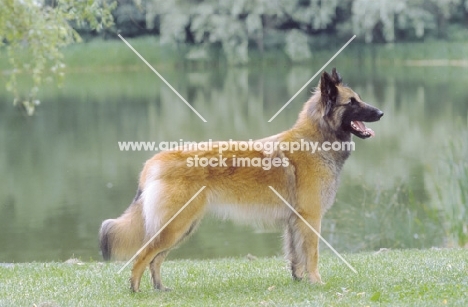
(380, 114)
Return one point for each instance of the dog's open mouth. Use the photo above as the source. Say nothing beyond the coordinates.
(360, 128)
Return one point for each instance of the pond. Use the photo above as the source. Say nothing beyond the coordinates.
(63, 172)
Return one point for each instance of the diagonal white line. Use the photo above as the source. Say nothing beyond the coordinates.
(310, 80)
(162, 228)
(161, 77)
(312, 228)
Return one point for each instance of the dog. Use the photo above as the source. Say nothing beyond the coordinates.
(307, 181)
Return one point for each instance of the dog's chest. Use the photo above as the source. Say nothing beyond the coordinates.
(330, 183)
(328, 193)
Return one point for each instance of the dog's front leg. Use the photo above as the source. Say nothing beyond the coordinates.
(293, 245)
(310, 245)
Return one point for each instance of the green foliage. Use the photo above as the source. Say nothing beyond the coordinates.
(239, 26)
(384, 17)
(367, 211)
(297, 47)
(448, 183)
(385, 278)
(236, 24)
(34, 32)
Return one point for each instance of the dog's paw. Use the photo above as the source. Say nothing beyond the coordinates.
(163, 289)
(314, 278)
(134, 286)
(297, 275)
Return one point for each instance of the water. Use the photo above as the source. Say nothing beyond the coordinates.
(63, 173)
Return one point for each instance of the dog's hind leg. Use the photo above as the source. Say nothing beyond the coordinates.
(155, 265)
(155, 268)
(173, 234)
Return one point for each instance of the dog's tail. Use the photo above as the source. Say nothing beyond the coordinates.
(120, 238)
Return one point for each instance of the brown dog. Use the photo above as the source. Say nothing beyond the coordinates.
(308, 181)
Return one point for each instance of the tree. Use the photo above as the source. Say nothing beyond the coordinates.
(373, 18)
(289, 24)
(34, 31)
(235, 24)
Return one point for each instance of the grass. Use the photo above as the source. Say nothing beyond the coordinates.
(433, 277)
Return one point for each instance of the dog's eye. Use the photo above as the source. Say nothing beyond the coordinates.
(352, 101)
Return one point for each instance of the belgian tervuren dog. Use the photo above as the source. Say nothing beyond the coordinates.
(308, 181)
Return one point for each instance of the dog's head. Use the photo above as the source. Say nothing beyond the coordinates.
(343, 109)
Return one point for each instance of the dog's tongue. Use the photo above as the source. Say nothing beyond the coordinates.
(363, 128)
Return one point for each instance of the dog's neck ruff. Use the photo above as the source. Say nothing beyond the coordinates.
(313, 124)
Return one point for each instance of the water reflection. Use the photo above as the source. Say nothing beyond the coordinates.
(63, 173)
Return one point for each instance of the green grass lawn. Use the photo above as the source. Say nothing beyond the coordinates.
(389, 278)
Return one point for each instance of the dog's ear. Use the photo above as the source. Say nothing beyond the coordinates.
(328, 91)
(336, 76)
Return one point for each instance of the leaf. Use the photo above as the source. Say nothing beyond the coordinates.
(375, 297)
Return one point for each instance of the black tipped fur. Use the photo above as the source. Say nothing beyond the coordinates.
(329, 91)
(105, 241)
(138, 195)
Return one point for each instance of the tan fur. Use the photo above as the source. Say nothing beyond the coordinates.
(125, 233)
(309, 183)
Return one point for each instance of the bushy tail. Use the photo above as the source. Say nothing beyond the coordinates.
(120, 238)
